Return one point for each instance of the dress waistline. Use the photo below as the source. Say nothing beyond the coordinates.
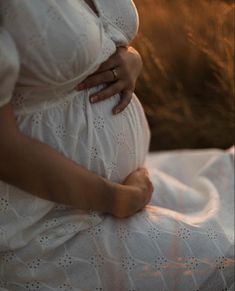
(28, 100)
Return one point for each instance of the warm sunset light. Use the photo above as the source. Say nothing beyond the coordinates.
(187, 85)
(116, 145)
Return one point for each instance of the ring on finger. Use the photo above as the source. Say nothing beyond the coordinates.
(115, 74)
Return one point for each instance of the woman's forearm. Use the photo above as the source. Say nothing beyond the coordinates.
(38, 169)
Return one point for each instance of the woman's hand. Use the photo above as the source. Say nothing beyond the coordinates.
(120, 73)
(134, 195)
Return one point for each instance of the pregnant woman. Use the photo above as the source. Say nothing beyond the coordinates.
(72, 190)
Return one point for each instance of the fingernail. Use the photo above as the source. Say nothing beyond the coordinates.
(93, 99)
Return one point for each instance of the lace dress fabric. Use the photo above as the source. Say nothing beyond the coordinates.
(182, 241)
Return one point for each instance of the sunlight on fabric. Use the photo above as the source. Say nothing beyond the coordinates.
(194, 219)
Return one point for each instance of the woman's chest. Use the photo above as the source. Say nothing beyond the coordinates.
(31, 20)
(64, 38)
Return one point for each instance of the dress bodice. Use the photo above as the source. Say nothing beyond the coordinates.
(60, 43)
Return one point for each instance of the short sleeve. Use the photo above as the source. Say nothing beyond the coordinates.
(9, 66)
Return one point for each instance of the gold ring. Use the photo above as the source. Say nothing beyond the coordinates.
(115, 74)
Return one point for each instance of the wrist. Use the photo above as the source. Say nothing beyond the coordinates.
(109, 197)
(124, 200)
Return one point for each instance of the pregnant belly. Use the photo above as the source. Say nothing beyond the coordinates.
(89, 134)
(118, 144)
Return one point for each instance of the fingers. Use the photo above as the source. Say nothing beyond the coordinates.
(118, 74)
(149, 186)
(111, 90)
(126, 97)
(104, 73)
(112, 62)
(148, 195)
(95, 80)
(144, 171)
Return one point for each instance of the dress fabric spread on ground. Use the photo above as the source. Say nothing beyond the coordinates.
(182, 241)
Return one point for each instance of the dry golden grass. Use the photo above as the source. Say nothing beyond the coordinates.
(187, 85)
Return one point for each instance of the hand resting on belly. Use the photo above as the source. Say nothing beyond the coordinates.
(120, 72)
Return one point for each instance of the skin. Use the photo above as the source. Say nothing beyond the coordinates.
(40, 170)
(128, 65)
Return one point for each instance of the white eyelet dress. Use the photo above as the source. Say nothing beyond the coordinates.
(182, 241)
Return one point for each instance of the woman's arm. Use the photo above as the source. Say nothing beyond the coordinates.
(35, 167)
(38, 169)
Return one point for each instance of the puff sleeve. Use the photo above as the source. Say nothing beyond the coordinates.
(9, 66)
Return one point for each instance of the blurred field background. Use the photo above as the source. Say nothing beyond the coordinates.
(187, 84)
